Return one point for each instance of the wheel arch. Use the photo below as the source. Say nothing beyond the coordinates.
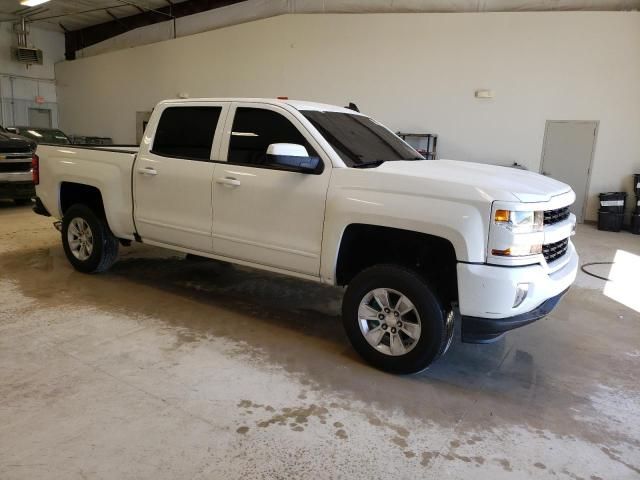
(364, 245)
(72, 193)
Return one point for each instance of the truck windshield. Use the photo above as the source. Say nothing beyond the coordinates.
(359, 140)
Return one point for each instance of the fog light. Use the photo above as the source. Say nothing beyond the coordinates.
(521, 293)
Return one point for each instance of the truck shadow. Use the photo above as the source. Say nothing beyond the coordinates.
(302, 307)
(275, 319)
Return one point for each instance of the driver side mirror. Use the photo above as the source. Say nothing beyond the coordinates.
(293, 157)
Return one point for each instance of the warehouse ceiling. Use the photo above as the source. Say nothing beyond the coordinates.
(78, 14)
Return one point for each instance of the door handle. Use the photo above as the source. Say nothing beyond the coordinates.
(230, 181)
(147, 171)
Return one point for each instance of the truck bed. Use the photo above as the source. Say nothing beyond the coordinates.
(106, 168)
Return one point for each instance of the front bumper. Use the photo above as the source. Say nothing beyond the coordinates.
(487, 294)
(487, 330)
(17, 190)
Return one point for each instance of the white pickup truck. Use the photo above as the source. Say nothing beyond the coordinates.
(326, 194)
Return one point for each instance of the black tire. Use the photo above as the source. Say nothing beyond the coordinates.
(435, 329)
(21, 201)
(105, 244)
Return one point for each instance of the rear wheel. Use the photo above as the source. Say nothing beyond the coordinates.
(393, 319)
(87, 240)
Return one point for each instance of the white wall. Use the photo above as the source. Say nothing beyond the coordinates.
(19, 84)
(411, 71)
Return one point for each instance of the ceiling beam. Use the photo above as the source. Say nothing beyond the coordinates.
(78, 39)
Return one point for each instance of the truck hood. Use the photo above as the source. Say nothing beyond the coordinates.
(10, 142)
(500, 183)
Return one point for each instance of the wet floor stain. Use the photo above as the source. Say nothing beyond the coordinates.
(474, 439)
(427, 457)
(399, 441)
(300, 415)
(614, 455)
(505, 464)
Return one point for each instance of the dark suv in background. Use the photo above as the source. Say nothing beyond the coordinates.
(42, 135)
(16, 181)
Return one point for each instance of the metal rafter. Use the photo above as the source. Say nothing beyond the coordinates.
(82, 38)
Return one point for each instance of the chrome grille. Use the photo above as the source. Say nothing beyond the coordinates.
(553, 251)
(15, 167)
(15, 151)
(556, 216)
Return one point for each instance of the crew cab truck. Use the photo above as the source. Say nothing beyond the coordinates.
(326, 194)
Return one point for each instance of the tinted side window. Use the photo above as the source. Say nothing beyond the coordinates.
(186, 132)
(254, 129)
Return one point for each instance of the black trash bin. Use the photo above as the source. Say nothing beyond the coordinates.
(612, 202)
(610, 221)
(635, 223)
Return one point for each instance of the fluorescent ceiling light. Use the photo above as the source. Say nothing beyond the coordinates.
(32, 3)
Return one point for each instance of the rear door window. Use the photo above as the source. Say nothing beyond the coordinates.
(186, 132)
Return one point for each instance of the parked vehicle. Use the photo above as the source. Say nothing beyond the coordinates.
(83, 140)
(42, 135)
(326, 194)
(15, 167)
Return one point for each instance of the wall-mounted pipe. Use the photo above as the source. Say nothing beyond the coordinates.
(13, 103)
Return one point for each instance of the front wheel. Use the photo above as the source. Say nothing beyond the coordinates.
(393, 319)
(87, 240)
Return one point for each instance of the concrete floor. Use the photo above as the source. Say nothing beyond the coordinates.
(179, 369)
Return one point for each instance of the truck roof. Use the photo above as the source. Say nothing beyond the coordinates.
(297, 104)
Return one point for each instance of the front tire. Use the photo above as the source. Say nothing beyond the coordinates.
(394, 320)
(87, 240)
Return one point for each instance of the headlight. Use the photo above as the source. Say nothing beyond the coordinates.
(520, 222)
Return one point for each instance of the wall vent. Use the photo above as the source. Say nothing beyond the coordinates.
(27, 55)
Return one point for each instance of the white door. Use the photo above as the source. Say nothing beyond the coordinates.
(263, 214)
(173, 175)
(567, 154)
(40, 117)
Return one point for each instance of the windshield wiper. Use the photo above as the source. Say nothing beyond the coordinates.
(373, 163)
